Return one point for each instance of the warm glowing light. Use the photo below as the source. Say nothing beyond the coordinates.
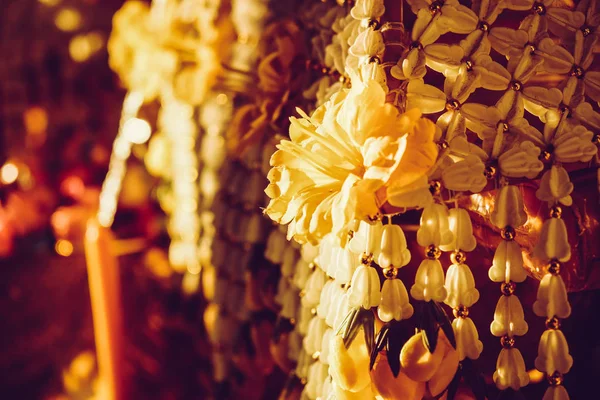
(137, 130)
(535, 376)
(35, 120)
(68, 20)
(534, 223)
(481, 204)
(64, 248)
(49, 3)
(60, 222)
(82, 47)
(73, 186)
(9, 173)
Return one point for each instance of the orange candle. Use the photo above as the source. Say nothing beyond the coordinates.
(103, 279)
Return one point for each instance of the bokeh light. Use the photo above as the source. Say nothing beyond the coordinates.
(68, 19)
(63, 247)
(9, 173)
(137, 130)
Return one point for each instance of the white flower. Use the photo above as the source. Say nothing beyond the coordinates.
(328, 174)
(467, 339)
(508, 263)
(325, 300)
(434, 229)
(460, 225)
(367, 9)
(312, 289)
(460, 286)
(317, 374)
(553, 353)
(465, 175)
(314, 337)
(367, 239)
(364, 290)
(556, 393)
(521, 160)
(573, 143)
(326, 339)
(346, 262)
(394, 251)
(394, 301)
(429, 282)
(552, 299)
(555, 186)
(509, 318)
(553, 242)
(510, 370)
(509, 209)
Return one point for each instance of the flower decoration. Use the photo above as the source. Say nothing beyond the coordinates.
(280, 46)
(342, 159)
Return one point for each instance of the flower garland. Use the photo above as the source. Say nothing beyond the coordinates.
(356, 158)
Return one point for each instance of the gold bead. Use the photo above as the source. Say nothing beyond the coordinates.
(390, 273)
(432, 252)
(554, 267)
(508, 233)
(539, 8)
(315, 355)
(452, 105)
(458, 257)
(545, 156)
(596, 139)
(508, 288)
(435, 187)
(461, 312)
(586, 30)
(374, 24)
(489, 172)
(311, 265)
(553, 323)
(374, 59)
(556, 379)
(469, 65)
(416, 45)
(444, 144)
(483, 26)
(577, 71)
(435, 7)
(516, 86)
(555, 212)
(313, 311)
(366, 259)
(507, 341)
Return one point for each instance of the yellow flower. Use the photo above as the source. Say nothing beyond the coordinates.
(349, 368)
(390, 387)
(281, 43)
(337, 161)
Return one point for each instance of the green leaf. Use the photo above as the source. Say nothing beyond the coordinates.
(380, 344)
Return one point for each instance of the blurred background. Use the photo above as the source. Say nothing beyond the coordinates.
(59, 112)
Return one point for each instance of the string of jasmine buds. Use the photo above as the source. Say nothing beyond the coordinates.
(460, 285)
(552, 302)
(177, 122)
(433, 232)
(509, 214)
(131, 131)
